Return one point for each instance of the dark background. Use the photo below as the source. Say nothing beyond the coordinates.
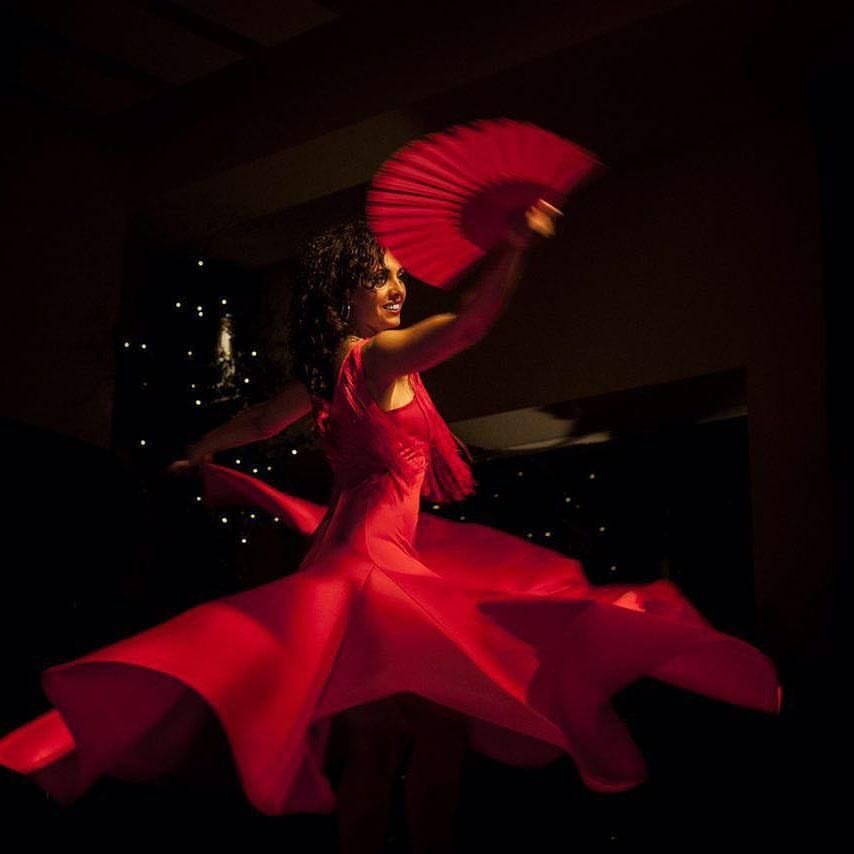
(141, 136)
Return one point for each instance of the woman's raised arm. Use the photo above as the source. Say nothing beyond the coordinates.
(396, 352)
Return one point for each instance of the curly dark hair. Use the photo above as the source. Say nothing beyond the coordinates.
(332, 266)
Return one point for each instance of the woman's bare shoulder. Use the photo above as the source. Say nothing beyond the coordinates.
(343, 349)
(390, 389)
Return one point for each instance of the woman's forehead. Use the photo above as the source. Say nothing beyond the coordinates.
(390, 261)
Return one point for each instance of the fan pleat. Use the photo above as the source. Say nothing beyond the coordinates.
(444, 160)
(467, 163)
(414, 186)
(420, 170)
(410, 207)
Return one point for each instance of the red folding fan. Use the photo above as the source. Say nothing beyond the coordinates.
(443, 201)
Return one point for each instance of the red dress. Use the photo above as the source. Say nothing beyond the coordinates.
(388, 599)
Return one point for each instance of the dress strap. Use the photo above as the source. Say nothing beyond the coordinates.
(345, 386)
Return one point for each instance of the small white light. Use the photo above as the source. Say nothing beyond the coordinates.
(601, 529)
(198, 402)
(200, 263)
(592, 475)
(144, 346)
(142, 441)
(254, 353)
(567, 499)
(199, 308)
(127, 344)
(244, 540)
(189, 352)
(435, 506)
(198, 498)
(246, 379)
(275, 518)
(529, 535)
(223, 302)
(177, 305)
(293, 451)
(254, 471)
(224, 519)
(519, 473)
(548, 533)
(251, 515)
(237, 462)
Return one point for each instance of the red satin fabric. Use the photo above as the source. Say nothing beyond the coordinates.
(386, 600)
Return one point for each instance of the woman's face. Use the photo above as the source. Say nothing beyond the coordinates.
(370, 307)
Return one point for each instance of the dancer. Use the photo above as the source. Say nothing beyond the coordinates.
(377, 736)
(390, 602)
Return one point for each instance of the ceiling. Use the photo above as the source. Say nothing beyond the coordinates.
(246, 124)
(98, 57)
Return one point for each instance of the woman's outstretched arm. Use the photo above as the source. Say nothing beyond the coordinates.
(258, 422)
(252, 424)
(241, 429)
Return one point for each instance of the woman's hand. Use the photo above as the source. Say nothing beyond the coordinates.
(196, 455)
(539, 223)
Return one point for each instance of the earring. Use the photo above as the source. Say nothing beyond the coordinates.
(345, 312)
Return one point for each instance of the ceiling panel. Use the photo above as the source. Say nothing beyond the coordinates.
(293, 176)
(267, 22)
(58, 77)
(133, 35)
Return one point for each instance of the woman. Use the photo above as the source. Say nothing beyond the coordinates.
(460, 633)
(353, 291)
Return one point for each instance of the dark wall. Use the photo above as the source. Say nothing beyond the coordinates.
(63, 237)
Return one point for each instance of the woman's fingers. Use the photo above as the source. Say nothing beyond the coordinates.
(196, 454)
(181, 467)
(541, 218)
(539, 222)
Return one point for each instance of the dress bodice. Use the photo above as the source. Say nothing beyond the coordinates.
(412, 445)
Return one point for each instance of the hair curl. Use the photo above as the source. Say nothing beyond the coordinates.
(333, 265)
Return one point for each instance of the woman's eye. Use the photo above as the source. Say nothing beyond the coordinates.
(380, 278)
